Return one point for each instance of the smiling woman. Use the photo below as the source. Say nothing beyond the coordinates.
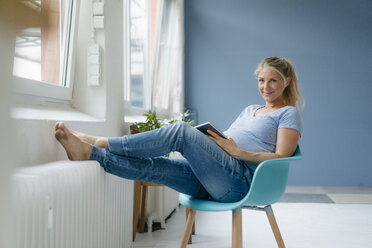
(209, 159)
(271, 85)
(277, 74)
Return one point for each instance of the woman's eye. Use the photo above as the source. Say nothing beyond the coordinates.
(261, 80)
(274, 80)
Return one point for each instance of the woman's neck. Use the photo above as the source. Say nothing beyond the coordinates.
(274, 105)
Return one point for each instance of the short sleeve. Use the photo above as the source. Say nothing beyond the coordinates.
(291, 119)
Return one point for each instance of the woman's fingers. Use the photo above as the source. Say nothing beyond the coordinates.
(215, 135)
(216, 138)
(212, 138)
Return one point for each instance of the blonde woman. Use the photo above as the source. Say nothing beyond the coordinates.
(214, 167)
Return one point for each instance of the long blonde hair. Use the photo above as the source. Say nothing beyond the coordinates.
(291, 94)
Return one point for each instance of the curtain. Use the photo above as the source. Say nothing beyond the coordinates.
(167, 65)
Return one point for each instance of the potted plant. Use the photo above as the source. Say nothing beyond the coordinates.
(153, 122)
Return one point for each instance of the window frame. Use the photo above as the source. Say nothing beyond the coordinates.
(39, 89)
(129, 108)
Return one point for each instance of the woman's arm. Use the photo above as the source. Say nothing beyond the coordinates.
(286, 144)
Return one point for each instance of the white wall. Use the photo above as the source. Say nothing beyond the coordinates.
(6, 143)
(96, 110)
(90, 100)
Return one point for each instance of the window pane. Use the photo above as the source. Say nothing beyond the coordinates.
(39, 52)
(138, 51)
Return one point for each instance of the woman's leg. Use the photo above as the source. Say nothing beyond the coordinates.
(174, 173)
(225, 178)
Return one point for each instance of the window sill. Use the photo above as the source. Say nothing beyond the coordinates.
(130, 119)
(55, 112)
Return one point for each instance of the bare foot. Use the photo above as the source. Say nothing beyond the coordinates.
(84, 137)
(93, 140)
(76, 149)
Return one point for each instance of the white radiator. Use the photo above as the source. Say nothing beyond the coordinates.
(71, 204)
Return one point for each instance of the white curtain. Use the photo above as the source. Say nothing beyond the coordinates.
(167, 66)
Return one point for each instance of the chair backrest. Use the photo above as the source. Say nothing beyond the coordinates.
(269, 181)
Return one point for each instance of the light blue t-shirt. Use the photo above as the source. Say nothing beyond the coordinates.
(258, 134)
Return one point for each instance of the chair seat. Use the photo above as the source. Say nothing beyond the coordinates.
(206, 205)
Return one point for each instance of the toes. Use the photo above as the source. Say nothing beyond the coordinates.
(56, 126)
(64, 128)
(59, 125)
(59, 134)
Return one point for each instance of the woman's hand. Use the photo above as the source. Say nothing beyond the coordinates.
(286, 144)
(228, 145)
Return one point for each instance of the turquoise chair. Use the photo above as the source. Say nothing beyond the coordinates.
(268, 186)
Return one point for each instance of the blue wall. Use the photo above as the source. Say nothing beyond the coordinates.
(330, 45)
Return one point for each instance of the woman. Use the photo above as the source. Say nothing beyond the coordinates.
(214, 167)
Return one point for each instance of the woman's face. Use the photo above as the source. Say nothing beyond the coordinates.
(271, 85)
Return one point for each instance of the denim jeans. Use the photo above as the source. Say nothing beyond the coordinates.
(207, 172)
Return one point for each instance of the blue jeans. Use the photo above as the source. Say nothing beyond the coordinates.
(206, 172)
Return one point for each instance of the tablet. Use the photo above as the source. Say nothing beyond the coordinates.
(205, 126)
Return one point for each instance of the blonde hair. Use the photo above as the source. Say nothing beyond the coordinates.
(291, 94)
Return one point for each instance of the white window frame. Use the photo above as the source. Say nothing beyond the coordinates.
(129, 109)
(44, 90)
(126, 59)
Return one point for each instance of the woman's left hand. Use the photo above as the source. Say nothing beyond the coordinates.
(228, 145)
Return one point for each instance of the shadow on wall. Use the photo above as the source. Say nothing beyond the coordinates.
(14, 16)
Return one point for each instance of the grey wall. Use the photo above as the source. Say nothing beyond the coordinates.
(330, 45)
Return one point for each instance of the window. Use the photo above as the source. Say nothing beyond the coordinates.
(43, 55)
(140, 43)
(154, 56)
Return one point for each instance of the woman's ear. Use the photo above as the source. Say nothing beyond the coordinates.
(287, 81)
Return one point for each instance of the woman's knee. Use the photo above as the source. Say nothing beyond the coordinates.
(181, 126)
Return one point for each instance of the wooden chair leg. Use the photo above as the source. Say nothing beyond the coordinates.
(143, 209)
(136, 207)
(193, 226)
(188, 227)
(237, 230)
(274, 226)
